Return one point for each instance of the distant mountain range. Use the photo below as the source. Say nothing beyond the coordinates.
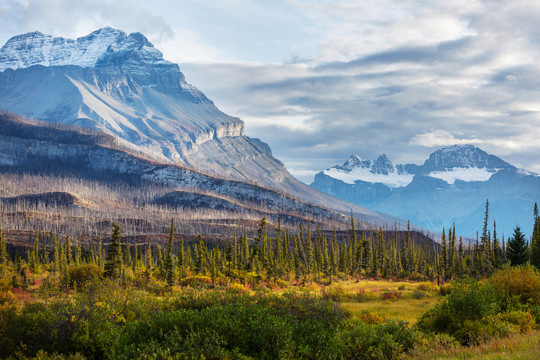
(451, 186)
(151, 123)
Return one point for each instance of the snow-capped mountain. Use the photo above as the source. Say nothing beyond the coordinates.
(121, 85)
(380, 171)
(451, 186)
(93, 50)
(114, 82)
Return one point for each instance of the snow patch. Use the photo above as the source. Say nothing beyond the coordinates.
(464, 174)
(527, 173)
(393, 180)
(35, 48)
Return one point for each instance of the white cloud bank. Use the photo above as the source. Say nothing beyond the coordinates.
(321, 80)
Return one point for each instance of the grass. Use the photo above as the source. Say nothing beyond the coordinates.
(403, 309)
(518, 347)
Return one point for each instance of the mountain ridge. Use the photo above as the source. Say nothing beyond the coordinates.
(452, 185)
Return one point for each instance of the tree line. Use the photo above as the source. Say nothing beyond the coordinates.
(303, 254)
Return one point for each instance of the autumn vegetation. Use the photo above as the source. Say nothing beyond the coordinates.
(283, 293)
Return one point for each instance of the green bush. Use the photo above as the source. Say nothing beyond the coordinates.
(83, 274)
(523, 320)
(427, 287)
(445, 289)
(387, 340)
(522, 282)
(461, 314)
(214, 332)
(418, 294)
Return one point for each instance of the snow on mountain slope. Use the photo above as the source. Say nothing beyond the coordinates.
(391, 180)
(380, 171)
(35, 48)
(113, 82)
(121, 85)
(451, 186)
(463, 174)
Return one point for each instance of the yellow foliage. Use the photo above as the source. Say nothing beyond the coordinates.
(521, 281)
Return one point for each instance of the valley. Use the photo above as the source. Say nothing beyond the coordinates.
(137, 220)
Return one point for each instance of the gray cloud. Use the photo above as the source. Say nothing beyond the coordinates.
(76, 18)
(403, 78)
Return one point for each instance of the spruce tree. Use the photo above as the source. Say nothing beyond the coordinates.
(535, 241)
(497, 259)
(78, 254)
(100, 254)
(181, 259)
(3, 252)
(516, 249)
(56, 255)
(169, 264)
(113, 262)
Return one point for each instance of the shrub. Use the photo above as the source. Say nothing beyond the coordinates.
(370, 318)
(214, 332)
(84, 274)
(7, 298)
(389, 295)
(335, 292)
(418, 294)
(387, 340)
(461, 314)
(428, 287)
(197, 282)
(523, 320)
(401, 287)
(445, 289)
(434, 342)
(535, 312)
(236, 288)
(521, 281)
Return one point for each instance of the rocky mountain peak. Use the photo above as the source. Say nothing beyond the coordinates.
(382, 165)
(352, 162)
(462, 156)
(103, 47)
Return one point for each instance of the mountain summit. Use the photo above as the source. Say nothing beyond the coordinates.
(463, 156)
(451, 186)
(113, 82)
(101, 47)
(120, 85)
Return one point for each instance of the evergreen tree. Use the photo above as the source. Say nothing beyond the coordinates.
(113, 263)
(485, 244)
(169, 264)
(69, 256)
(535, 241)
(56, 255)
(3, 252)
(444, 249)
(516, 249)
(497, 259)
(182, 259)
(78, 253)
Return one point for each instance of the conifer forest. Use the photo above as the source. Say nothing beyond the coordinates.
(288, 292)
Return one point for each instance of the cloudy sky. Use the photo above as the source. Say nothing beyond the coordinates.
(319, 80)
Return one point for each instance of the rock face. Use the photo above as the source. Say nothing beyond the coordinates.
(450, 187)
(120, 84)
(42, 148)
(462, 156)
(113, 82)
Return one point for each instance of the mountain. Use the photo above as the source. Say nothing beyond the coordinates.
(141, 106)
(451, 186)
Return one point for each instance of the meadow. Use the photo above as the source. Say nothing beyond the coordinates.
(284, 296)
